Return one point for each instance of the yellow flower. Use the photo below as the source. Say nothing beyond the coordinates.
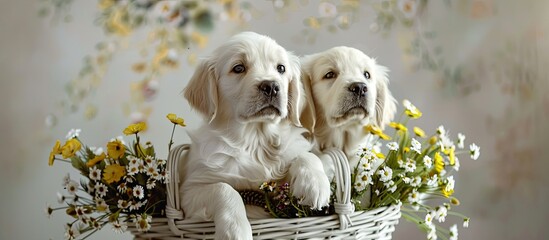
(135, 128)
(376, 131)
(96, 159)
(406, 149)
(413, 113)
(379, 155)
(56, 150)
(398, 126)
(419, 132)
(70, 148)
(113, 173)
(104, 4)
(116, 149)
(452, 155)
(447, 193)
(176, 120)
(439, 163)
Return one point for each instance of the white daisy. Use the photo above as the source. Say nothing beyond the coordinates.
(143, 223)
(134, 161)
(433, 181)
(453, 232)
(441, 131)
(408, 8)
(71, 232)
(95, 174)
(151, 169)
(80, 212)
(475, 151)
(392, 146)
(119, 227)
(148, 160)
(427, 161)
(165, 175)
(73, 133)
(413, 197)
(416, 146)
(389, 184)
(101, 190)
(456, 164)
(441, 213)
(416, 182)
(385, 174)
(429, 218)
(406, 180)
(461, 141)
(138, 192)
(151, 183)
(359, 186)
(410, 165)
(132, 169)
(72, 187)
(123, 204)
(101, 205)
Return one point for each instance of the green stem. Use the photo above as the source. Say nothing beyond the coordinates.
(171, 139)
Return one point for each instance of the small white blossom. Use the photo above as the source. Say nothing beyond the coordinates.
(416, 146)
(72, 187)
(413, 197)
(95, 174)
(416, 182)
(410, 165)
(456, 164)
(60, 198)
(364, 165)
(389, 184)
(132, 169)
(385, 174)
(359, 186)
(101, 190)
(143, 223)
(393, 189)
(475, 151)
(427, 161)
(432, 235)
(376, 192)
(138, 192)
(101, 204)
(406, 180)
(80, 212)
(122, 187)
(461, 141)
(466, 222)
(429, 218)
(441, 131)
(442, 211)
(433, 181)
(151, 183)
(73, 133)
(392, 146)
(123, 204)
(119, 227)
(71, 232)
(453, 232)
(450, 184)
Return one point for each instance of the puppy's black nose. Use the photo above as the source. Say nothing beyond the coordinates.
(269, 88)
(358, 88)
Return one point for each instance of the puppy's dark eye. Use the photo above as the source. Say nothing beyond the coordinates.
(239, 68)
(366, 74)
(280, 68)
(329, 75)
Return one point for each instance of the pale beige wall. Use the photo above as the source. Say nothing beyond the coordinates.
(504, 193)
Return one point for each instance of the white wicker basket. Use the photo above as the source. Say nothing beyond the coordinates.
(346, 224)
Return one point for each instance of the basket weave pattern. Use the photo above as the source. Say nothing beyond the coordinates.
(346, 224)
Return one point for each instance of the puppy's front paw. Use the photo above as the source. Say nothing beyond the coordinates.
(233, 228)
(313, 188)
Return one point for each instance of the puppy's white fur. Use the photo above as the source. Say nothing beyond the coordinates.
(334, 114)
(247, 138)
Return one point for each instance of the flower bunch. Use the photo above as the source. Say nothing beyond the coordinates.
(416, 169)
(280, 203)
(122, 185)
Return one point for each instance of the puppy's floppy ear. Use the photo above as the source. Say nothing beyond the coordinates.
(295, 90)
(201, 92)
(308, 115)
(385, 102)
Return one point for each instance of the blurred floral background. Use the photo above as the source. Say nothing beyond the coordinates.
(478, 66)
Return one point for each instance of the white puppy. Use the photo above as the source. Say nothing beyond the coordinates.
(346, 90)
(249, 93)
